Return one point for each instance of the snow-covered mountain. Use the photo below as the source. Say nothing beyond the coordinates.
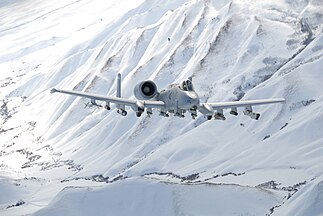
(59, 156)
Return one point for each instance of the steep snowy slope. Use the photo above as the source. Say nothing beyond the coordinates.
(56, 149)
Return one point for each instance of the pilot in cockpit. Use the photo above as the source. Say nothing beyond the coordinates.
(187, 85)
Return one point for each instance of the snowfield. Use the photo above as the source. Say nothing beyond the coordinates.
(61, 156)
(177, 199)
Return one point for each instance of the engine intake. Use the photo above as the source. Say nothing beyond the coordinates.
(145, 90)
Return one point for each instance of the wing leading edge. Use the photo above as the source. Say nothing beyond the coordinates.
(209, 108)
(232, 104)
(117, 100)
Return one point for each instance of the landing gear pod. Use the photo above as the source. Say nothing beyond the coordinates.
(139, 108)
(248, 112)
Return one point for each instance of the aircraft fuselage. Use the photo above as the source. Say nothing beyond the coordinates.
(177, 99)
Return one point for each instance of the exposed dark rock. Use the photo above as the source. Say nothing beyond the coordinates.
(284, 126)
(19, 203)
(234, 174)
(188, 178)
(269, 185)
(300, 104)
(100, 178)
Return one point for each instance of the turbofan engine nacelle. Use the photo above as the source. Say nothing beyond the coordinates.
(145, 90)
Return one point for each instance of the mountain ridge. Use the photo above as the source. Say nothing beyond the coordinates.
(234, 50)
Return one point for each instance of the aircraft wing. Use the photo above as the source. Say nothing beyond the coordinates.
(116, 100)
(208, 108)
(233, 104)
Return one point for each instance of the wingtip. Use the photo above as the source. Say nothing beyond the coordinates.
(282, 100)
(53, 90)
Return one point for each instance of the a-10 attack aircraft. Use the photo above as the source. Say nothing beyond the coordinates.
(177, 99)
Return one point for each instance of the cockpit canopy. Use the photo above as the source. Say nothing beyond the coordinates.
(187, 85)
